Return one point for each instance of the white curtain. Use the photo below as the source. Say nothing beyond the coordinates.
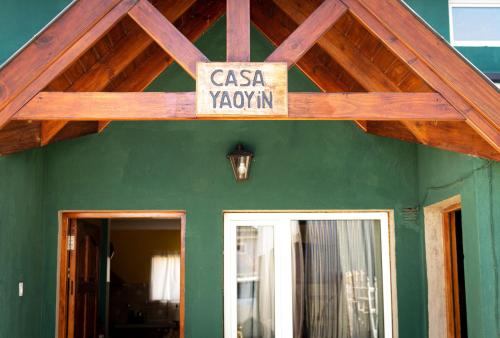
(165, 278)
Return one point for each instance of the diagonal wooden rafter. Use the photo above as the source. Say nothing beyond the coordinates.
(337, 45)
(100, 106)
(238, 30)
(101, 73)
(358, 65)
(203, 14)
(308, 33)
(193, 23)
(433, 60)
(440, 123)
(47, 56)
(167, 36)
(268, 9)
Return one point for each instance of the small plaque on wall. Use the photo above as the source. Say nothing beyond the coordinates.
(242, 88)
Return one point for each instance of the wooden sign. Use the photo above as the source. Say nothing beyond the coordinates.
(242, 88)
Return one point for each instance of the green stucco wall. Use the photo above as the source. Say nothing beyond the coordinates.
(21, 244)
(181, 165)
(444, 174)
(20, 20)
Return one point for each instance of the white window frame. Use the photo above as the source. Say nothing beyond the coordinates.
(470, 3)
(280, 221)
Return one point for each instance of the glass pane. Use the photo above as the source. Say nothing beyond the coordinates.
(337, 279)
(476, 23)
(255, 278)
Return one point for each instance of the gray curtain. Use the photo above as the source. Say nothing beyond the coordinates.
(335, 278)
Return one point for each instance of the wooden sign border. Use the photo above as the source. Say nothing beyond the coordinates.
(235, 113)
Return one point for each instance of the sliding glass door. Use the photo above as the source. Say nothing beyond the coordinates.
(307, 275)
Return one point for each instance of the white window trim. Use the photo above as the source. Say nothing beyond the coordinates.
(280, 221)
(470, 3)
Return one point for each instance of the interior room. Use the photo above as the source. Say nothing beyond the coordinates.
(144, 285)
(127, 275)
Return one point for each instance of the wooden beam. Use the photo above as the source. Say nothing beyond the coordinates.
(351, 59)
(437, 54)
(49, 129)
(55, 49)
(19, 135)
(167, 36)
(272, 20)
(102, 106)
(454, 136)
(427, 55)
(277, 26)
(99, 106)
(123, 53)
(371, 106)
(306, 35)
(193, 23)
(341, 49)
(238, 30)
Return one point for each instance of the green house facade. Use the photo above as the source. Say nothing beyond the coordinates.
(297, 165)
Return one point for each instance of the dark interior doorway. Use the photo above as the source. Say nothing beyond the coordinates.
(121, 275)
(454, 268)
(144, 288)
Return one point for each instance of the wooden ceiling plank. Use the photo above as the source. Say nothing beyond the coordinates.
(88, 21)
(480, 124)
(49, 129)
(101, 106)
(308, 33)
(238, 30)
(167, 36)
(124, 52)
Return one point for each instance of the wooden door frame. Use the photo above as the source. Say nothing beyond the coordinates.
(437, 298)
(450, 266)
(62, 263)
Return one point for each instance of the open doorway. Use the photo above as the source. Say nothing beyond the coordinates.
(121, 274)
(445, 260)
(454, 272)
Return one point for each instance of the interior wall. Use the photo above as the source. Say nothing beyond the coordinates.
(135, 248)
(21, 245)
(444, 174)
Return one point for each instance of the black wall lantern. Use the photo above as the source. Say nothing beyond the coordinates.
(240, 162)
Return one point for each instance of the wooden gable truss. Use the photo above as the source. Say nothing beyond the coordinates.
(375, 61)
